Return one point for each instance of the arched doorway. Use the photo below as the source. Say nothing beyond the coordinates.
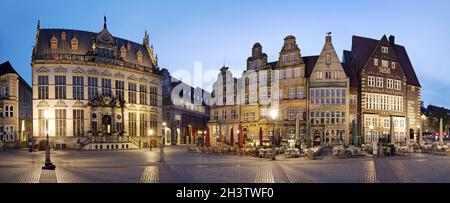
(106, 125)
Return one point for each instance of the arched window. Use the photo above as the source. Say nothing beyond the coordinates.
(6, 111)
(6, 90)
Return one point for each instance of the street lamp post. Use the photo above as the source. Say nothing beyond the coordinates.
(161, 146)
(273, 115)
(48, 163)
(422, 123)
(150, 133)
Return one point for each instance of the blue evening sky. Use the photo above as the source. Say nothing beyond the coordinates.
(218, 31)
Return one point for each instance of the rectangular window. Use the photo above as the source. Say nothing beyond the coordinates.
(60, 118)
(120, 87)
(390, 84)
(281, 74)
(246, 117)
(132, 124)
(328, 75)
(385, 63)
(60, 87)
(78, 87)
(252, 116)
(43, 87)
(281, 94)
(387, 123)
(379, 82)
(375, 61)
(132, 93)
(291, 93)
(319, 75)
(398, 85)
(288, 73)
(385, 50)
(300, 93)
(393, 65)
(42, 126)
(153, 96)
(143, 94)
(298, 72)
(143, 124)
(224, 114)
(92, 88)
(106, 87)
(233, 114)
(291, 114)
(371, 81)
(78, 123)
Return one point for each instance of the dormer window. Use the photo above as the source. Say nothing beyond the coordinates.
(63, 35)
(384, 50)
(74, 43)
(54, 42)
(139, 56)
(123, 52)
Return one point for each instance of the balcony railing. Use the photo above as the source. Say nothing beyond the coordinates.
(67, 58)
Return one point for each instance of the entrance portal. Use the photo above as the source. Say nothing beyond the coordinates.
(106, 125)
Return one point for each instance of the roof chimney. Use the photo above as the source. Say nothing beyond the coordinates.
(392, 40)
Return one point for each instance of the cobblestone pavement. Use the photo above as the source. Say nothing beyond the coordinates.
(142, 166)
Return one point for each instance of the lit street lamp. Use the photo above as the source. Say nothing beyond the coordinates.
(273, 115)
(48, 163)
(150, 134)
(423, 118)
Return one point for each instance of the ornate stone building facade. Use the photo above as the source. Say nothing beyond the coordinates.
(185, 110)
(388, 90)
(329, 99)
(15, 107)
(373, 94)
(100, 91)
(264, 87)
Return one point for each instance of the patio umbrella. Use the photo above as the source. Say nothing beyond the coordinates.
(231, 137)
(260, 137)
(241, 137)
(208, 143)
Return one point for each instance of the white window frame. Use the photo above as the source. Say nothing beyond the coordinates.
(385, 50)
(385, 63)
(297, 72)
(291, 93)
(379, 82)
(288, 73)
(375, 61)
(371, 81)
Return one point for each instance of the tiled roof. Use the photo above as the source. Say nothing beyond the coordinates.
(310, 62)
(85, 42)
(6, 68)
(362, 48)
